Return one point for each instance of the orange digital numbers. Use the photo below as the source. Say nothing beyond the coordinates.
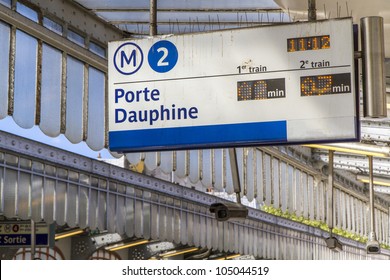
(291, 45)
(302, 44)
(325, 42)
(244, 91)
(316, 85)
(315, 44)
(326, 84)
(261, 89)
(308, 43)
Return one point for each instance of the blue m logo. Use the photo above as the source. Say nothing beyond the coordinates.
(128, 58)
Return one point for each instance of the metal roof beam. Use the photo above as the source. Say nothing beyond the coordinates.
(193, 10)
(196, 22)
(81, 18)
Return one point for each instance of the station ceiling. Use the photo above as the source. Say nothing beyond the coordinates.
(174, 16)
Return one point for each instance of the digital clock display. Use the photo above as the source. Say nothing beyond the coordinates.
(308, 43)
(261, 89)
(325, 84)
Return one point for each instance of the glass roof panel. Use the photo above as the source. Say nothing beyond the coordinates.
(183, 16)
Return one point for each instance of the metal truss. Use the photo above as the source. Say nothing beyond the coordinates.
(356, 163)
(375, 131)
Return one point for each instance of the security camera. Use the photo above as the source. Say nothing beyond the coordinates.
(228, 211)
(372, 246)
(333, 244)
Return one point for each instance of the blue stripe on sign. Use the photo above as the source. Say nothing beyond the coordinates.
(9, 240)
(198, 136)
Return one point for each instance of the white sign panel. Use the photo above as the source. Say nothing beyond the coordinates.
(266, 85)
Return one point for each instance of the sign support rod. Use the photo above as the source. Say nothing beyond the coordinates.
(153, 18)
(372, 235)
(312, 11)
(235, 173)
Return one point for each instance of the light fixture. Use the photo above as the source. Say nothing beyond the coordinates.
(228, 257)
(123, 245)
(354, 148)
(68, 233)
(178, 252)
(334, 244)
(377, 180)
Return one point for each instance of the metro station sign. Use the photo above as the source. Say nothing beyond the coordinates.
(280, 84)
(17, 234)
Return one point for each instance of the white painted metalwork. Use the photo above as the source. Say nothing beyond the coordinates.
(375, 130)
(96, 116)
(60, 98)
(25, 83)
(71, 89)
(43, 182)
(4, 54)
(74, 100)
(50, 108)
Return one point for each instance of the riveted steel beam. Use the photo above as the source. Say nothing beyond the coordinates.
(357, 163)
(376, 130)
(382, 189)
(192, 10)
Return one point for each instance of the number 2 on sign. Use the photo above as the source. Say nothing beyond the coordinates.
(162, 61)
(163, 56)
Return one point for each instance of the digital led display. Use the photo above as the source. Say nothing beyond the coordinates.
(308, 43)
(325, 84)
(261, 89)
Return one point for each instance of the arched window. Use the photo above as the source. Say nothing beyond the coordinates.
(104, 255)
(40, 254)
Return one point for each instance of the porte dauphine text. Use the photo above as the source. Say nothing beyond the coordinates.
(150, 116)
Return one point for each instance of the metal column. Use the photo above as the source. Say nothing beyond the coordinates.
(374, 82)
(330, 192)
(373, 246)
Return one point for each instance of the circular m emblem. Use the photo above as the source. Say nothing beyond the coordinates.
(128, 58)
